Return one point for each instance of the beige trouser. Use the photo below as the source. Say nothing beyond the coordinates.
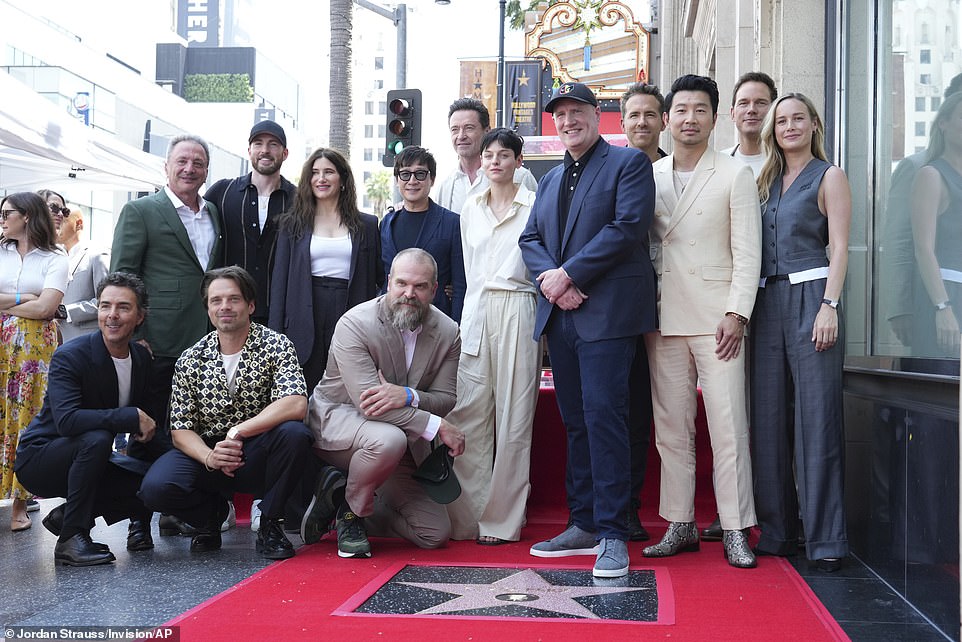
(380, 487)
(497, 395)
(677, 365)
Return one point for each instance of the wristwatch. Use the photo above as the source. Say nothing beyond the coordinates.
(943, 305)
(832, 303)
(234, 433)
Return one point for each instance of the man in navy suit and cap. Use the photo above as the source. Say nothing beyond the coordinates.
(586, 246)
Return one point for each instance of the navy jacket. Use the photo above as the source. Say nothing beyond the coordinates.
(441, 238)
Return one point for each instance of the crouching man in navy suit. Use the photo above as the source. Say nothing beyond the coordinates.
(585, 242)
(96, 388)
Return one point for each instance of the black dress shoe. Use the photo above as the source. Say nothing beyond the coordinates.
(208, 537)
(79, 550)
(636, 532)
(320, 513)
(170, 525)
(828, 564)
(53, 522)
(714, 531)
(272, 543)
(138, 535)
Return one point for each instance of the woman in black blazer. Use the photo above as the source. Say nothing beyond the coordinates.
(327, 260)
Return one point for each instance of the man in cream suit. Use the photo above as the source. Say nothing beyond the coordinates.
(705, 244)
(391, 378)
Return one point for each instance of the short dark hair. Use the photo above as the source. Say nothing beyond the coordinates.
(126, 280)
(415, 155)
(642, 89)
(692, 82)
(471, 104)
(755, 76)
(235, 273)
(507, 138)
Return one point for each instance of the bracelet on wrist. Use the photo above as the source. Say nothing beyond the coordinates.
(741, 320)
(17, 302)
(410, 397)
(207, 459)
(943, 306)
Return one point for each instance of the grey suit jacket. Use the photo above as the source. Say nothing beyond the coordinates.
(151, 241)
(365, 343)
(88, 266)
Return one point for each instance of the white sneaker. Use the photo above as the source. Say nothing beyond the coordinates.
(231, 520)
(256, 515)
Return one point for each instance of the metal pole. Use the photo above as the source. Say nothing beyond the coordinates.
(401, 22)
(500, 116)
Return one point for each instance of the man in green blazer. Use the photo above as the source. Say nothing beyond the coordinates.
(169, 239)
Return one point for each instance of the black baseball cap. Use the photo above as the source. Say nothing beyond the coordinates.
(436, 476)
(571, 91)
(268, 127)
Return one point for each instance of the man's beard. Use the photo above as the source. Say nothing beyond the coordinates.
(406, 317)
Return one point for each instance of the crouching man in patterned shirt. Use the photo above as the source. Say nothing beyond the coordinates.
(236, 418)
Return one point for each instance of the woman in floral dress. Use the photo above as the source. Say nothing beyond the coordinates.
(33, 278)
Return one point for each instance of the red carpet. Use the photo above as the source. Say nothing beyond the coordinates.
(700, 597)
(706, 599)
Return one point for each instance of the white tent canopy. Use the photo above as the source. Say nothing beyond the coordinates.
(43, 147)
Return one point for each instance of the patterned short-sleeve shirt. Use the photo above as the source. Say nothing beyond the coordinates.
(201, 399)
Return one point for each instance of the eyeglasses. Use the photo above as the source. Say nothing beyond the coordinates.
(56, 209)
(5, 214)
(406, 175)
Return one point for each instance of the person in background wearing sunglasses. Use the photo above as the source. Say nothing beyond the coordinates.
(58, 207)
(424, 224)
(33, 279)
(88, 266)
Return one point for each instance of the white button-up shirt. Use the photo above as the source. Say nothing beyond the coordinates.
(492, 259)
(200, 228)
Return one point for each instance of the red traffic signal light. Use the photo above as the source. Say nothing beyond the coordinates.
(403, 122)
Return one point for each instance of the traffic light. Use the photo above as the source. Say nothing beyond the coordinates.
(403, 122)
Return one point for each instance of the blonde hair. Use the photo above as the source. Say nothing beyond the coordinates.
(774, 155)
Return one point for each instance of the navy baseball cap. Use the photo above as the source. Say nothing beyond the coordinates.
(571, 91)
(436, 476)
(268, 127)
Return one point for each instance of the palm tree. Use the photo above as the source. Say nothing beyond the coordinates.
(515, 12)
(378, 191)
(342, 13)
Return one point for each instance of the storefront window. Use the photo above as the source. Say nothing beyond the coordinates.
(909, 180)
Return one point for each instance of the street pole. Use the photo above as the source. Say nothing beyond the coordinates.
(500, 115)
(399, 16)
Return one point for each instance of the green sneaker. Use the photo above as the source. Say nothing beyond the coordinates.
(351, 536)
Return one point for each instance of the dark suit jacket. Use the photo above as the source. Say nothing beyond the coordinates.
(604, 246)
(245, 243)
(441, 238)
(291, 300)
(82, 393)
(151, 241)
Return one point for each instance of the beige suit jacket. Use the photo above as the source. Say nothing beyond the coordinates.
(705, 245)
(364, 343)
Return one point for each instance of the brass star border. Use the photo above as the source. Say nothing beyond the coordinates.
(528, 593)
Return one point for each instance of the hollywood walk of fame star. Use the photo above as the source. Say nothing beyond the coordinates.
(523, 78)
(524, 588)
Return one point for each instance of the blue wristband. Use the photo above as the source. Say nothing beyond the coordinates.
(17, 302)
(407, 402)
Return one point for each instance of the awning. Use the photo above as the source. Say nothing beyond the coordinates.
(43, 147)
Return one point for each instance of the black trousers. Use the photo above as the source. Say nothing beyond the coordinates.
(80, 469)
(639, 418)
(329, 304)
(273, 467)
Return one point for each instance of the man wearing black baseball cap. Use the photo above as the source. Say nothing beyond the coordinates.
(250, 206)
(586, 245)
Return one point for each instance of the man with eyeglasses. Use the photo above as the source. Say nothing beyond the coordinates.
(424, 224)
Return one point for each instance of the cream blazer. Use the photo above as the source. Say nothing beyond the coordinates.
(705, 245)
